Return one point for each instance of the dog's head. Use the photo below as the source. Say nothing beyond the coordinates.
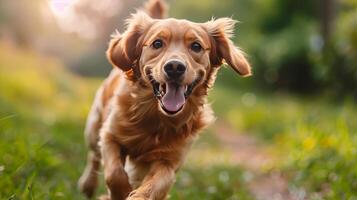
(175, 56)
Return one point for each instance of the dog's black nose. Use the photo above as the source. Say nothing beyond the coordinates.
(174, 69)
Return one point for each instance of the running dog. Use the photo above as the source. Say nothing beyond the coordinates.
(150, 109)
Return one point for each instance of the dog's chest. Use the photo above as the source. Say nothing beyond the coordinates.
(152, 147)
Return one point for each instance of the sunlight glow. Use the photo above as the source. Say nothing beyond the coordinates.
(60, 7)
(84, 17)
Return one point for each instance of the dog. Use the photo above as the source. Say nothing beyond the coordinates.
(150, 109)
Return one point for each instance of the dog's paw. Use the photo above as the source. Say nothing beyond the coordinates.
(136, 198)
(104, 197)
(135, 195)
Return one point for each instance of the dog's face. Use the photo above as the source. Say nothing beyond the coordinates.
(175, 56)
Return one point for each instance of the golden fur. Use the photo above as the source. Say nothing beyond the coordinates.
(140, 146)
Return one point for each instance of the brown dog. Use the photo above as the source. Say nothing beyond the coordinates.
(150, 109)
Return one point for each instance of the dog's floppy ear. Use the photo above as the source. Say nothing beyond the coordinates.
(220, 31)
(125, 49)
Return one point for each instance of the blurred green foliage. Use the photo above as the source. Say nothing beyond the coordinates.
(285, 42)
(338, 63)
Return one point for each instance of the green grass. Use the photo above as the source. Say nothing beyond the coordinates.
(43, 109)
(315, 138)
(42, 114)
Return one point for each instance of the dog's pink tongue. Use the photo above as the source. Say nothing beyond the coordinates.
(174, 98)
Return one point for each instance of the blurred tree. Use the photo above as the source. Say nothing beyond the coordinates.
(328, 9)
(340, 52)
(308, 46)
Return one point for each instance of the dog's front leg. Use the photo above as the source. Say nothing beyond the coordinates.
(156, 183)
(114, 174)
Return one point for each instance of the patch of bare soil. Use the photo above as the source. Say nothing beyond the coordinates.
(253, 156)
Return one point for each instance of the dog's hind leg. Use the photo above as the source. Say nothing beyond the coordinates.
(89, 180)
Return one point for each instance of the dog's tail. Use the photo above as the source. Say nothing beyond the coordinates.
(156, 8)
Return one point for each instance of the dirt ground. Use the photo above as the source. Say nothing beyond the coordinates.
(265, 183)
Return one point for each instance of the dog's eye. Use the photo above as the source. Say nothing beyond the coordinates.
(196, 47)
(157, 44)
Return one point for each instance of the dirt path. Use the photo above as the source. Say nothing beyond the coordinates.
(255, 159)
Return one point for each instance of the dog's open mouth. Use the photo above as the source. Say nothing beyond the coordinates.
(171, 95)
